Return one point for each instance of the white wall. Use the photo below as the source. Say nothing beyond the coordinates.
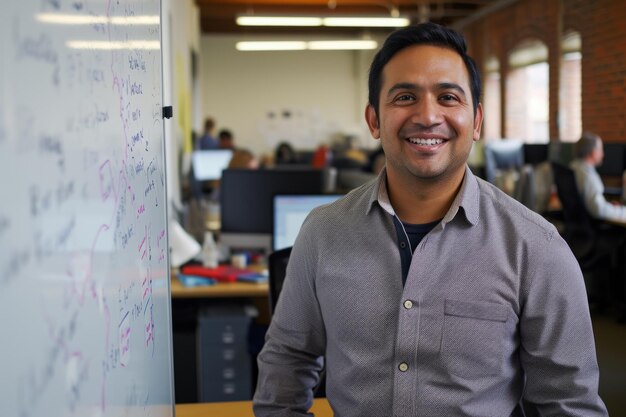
(181, 34)
(325, 91)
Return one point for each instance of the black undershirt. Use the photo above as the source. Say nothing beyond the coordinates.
(415, 233)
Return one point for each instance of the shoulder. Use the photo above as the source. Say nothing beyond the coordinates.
(499, 209)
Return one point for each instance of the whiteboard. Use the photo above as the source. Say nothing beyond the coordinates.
(85, 310)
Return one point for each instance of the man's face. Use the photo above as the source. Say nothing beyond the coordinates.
(598, 153)
(426, 120)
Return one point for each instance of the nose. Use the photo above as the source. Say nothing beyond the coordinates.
(427, 112)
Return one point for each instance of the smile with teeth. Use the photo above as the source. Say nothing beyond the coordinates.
(427, 142)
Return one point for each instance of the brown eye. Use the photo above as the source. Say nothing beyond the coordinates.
(404, 97)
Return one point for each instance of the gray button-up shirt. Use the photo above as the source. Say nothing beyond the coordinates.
(494, 310)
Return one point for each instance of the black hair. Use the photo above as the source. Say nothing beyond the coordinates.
(421, 34)
(225, 132)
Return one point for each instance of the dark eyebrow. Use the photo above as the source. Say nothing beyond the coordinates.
(451, 86)
(440, 86)
(402, 86)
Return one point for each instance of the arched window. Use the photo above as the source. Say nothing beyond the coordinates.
(492, 126)
(570, 115)
(527, 93)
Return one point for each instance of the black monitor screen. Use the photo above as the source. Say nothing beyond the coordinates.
(535, 153)
(613, 164)
(246, 196)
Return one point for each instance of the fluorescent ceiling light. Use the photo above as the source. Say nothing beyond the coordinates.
(342, 45)
(366, 21)
(74, 19)
(278, 21)
(271, 46)
(302, 45)
(371, 21)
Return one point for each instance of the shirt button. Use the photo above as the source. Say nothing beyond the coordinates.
(403, 367)
(408, 304)
(403, 245)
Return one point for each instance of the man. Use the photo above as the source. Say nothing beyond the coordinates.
(207, 141)
(226, 139)
(429, 292)
(590, 154)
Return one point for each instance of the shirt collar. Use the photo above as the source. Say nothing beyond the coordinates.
(468, 198)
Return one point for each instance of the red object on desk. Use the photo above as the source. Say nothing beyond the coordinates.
(223, 273)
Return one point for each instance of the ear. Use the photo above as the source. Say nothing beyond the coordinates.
(478, 122)
(372, 121)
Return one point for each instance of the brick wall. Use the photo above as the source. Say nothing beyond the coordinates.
(602, 27)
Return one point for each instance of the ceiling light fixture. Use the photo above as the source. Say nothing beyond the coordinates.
(278, 21)
(381, 22)
(371, 21)
(271, 46)
(326, 45)
(342, 45)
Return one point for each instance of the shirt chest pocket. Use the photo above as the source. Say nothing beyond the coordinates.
(472, 340)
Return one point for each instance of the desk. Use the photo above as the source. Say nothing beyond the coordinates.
(220, 290)
(257, 292)
(320, 408)
(187, 302)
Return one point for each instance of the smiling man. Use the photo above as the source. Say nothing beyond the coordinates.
(428, 292)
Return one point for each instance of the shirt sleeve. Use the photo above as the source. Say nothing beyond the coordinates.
(593, 196)
(557, 344)
(292, 358)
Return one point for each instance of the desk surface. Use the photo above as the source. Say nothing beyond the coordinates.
(219, 290)
(239, 409)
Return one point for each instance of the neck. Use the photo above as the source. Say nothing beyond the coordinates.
(418, 201)
(589, 161)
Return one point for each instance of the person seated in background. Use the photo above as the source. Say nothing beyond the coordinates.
(347, 155)
(243, 159)
(589, 154)
(226, 139)
(207, 140)
(285, 154)
(353, 152)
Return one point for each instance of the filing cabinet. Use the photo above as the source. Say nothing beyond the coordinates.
(225, 369)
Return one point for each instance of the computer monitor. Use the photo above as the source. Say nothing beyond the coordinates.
(209, 164)
(246, 200)
(502, 155)
(289, 214)
(535, 153)
(613, 163)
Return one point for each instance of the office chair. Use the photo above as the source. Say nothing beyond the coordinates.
(524, 190)
(277, 264)
(595, 244)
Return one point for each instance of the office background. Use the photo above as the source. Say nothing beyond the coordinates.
(205, 76)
